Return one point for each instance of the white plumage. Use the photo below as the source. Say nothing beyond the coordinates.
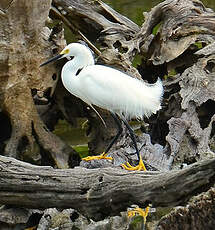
(108, 88)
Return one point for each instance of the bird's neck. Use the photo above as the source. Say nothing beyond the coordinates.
(79, 62)
(70, 70)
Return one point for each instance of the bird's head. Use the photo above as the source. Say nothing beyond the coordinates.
(71, 50)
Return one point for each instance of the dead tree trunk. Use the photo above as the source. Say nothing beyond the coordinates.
(25, 43)
(185, 31)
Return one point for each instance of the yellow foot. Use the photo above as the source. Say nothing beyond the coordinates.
(139, 167)
(102, 156)
(31, 228)
(139, 211)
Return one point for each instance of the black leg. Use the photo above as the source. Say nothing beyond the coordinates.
(133, 138)
(119, 127)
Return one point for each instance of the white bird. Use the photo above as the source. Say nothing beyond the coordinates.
(124, 96)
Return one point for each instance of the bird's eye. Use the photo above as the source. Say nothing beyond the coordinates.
(66, 51)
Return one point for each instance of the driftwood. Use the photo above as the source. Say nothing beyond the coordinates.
(176, 43)
(190, 92)
(199, 213)
(99, 192)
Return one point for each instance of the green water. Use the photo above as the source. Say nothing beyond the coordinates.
(133, 8)
(74, 136)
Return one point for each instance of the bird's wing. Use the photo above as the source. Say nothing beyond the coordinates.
(117, 92)
(103, 86)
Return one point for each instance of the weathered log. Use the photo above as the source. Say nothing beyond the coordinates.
(102, 24)
(180, 24)
(199, 213)
(99, 192)
(174, 35)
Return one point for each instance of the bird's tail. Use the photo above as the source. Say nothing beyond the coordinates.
(143, 99)
(157, 91)
(156, 95)
(151, 98)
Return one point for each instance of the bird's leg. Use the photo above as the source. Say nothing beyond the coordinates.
(141, 165)
(104, 154)
(119, 127)
(133, 138)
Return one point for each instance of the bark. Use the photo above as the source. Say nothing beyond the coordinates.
(100, 192)
(25, 43)
(199, 214)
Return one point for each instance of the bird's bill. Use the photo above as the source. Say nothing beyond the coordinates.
(52, 59)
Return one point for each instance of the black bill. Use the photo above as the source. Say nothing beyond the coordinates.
(52, 59)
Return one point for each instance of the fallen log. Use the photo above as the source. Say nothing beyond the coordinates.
(98, 193)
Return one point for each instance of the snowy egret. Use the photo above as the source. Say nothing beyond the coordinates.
(124, 96)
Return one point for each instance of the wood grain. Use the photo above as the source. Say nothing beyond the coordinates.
(99, 192)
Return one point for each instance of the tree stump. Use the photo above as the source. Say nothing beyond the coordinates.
(25, 43)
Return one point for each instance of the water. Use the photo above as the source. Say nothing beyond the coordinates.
(74, 136)
(133, 8)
